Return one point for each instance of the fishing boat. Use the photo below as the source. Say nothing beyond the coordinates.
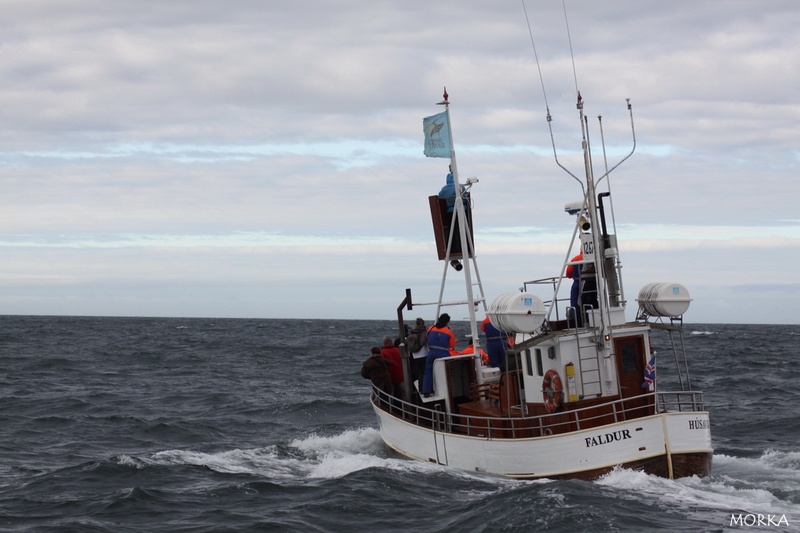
(575, 393)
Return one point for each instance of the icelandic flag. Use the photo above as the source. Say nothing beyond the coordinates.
(649, 374)
(437, 135)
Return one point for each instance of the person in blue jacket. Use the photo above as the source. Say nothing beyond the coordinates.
(441, 343)
(448, 192)
(574, 272)
(496, 343)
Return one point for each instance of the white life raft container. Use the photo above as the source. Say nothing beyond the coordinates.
(517, 312)
(664, 299)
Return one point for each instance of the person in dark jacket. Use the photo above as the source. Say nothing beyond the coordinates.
(399, 340)
(392, 353)
(496, 344)
(417, 344)
(441, 343)
(376, 369)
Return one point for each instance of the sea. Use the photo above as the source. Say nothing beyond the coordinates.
(237, 425)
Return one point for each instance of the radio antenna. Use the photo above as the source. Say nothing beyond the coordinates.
(536, 56)
(571, 53)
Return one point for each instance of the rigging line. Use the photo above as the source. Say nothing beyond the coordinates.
(547, 105)
(536, 56)
(571, 53)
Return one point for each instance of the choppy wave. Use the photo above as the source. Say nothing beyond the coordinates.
(315, 456)
(264, 425)
(767, 484)
(742, 492)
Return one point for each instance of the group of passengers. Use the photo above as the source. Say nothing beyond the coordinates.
(384, 367)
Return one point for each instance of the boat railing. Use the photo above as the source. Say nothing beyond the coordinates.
(519, 426)
(556, 303)
(562, 314)
(681, 401)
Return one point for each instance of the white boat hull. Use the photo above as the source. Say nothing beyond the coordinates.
(660, 444)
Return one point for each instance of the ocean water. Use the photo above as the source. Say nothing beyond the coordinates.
(191, 425)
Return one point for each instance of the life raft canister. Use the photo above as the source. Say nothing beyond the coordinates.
(552, 391)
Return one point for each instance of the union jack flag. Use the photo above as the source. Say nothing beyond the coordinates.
(649, 373)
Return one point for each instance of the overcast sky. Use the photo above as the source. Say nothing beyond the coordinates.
(264, 158)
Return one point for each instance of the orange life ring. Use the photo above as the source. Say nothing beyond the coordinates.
(552, 391)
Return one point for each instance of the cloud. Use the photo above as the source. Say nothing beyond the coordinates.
(234, 159)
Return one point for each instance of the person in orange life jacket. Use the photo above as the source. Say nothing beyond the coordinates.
(471, 349)
(392, 353)
(583, 292)
(376, 369)
(441, 343)
(496, 343)
(574, 272)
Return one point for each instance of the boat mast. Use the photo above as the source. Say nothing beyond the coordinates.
(461, 216)
(593, 248)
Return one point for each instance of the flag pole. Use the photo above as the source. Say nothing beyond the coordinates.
(466, 252)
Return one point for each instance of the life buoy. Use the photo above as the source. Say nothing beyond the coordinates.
(552, 391)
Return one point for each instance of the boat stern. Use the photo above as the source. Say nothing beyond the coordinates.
(687, 438)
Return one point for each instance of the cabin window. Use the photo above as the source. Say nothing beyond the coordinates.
(539, 369)
(628, 357)
(528, 362)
